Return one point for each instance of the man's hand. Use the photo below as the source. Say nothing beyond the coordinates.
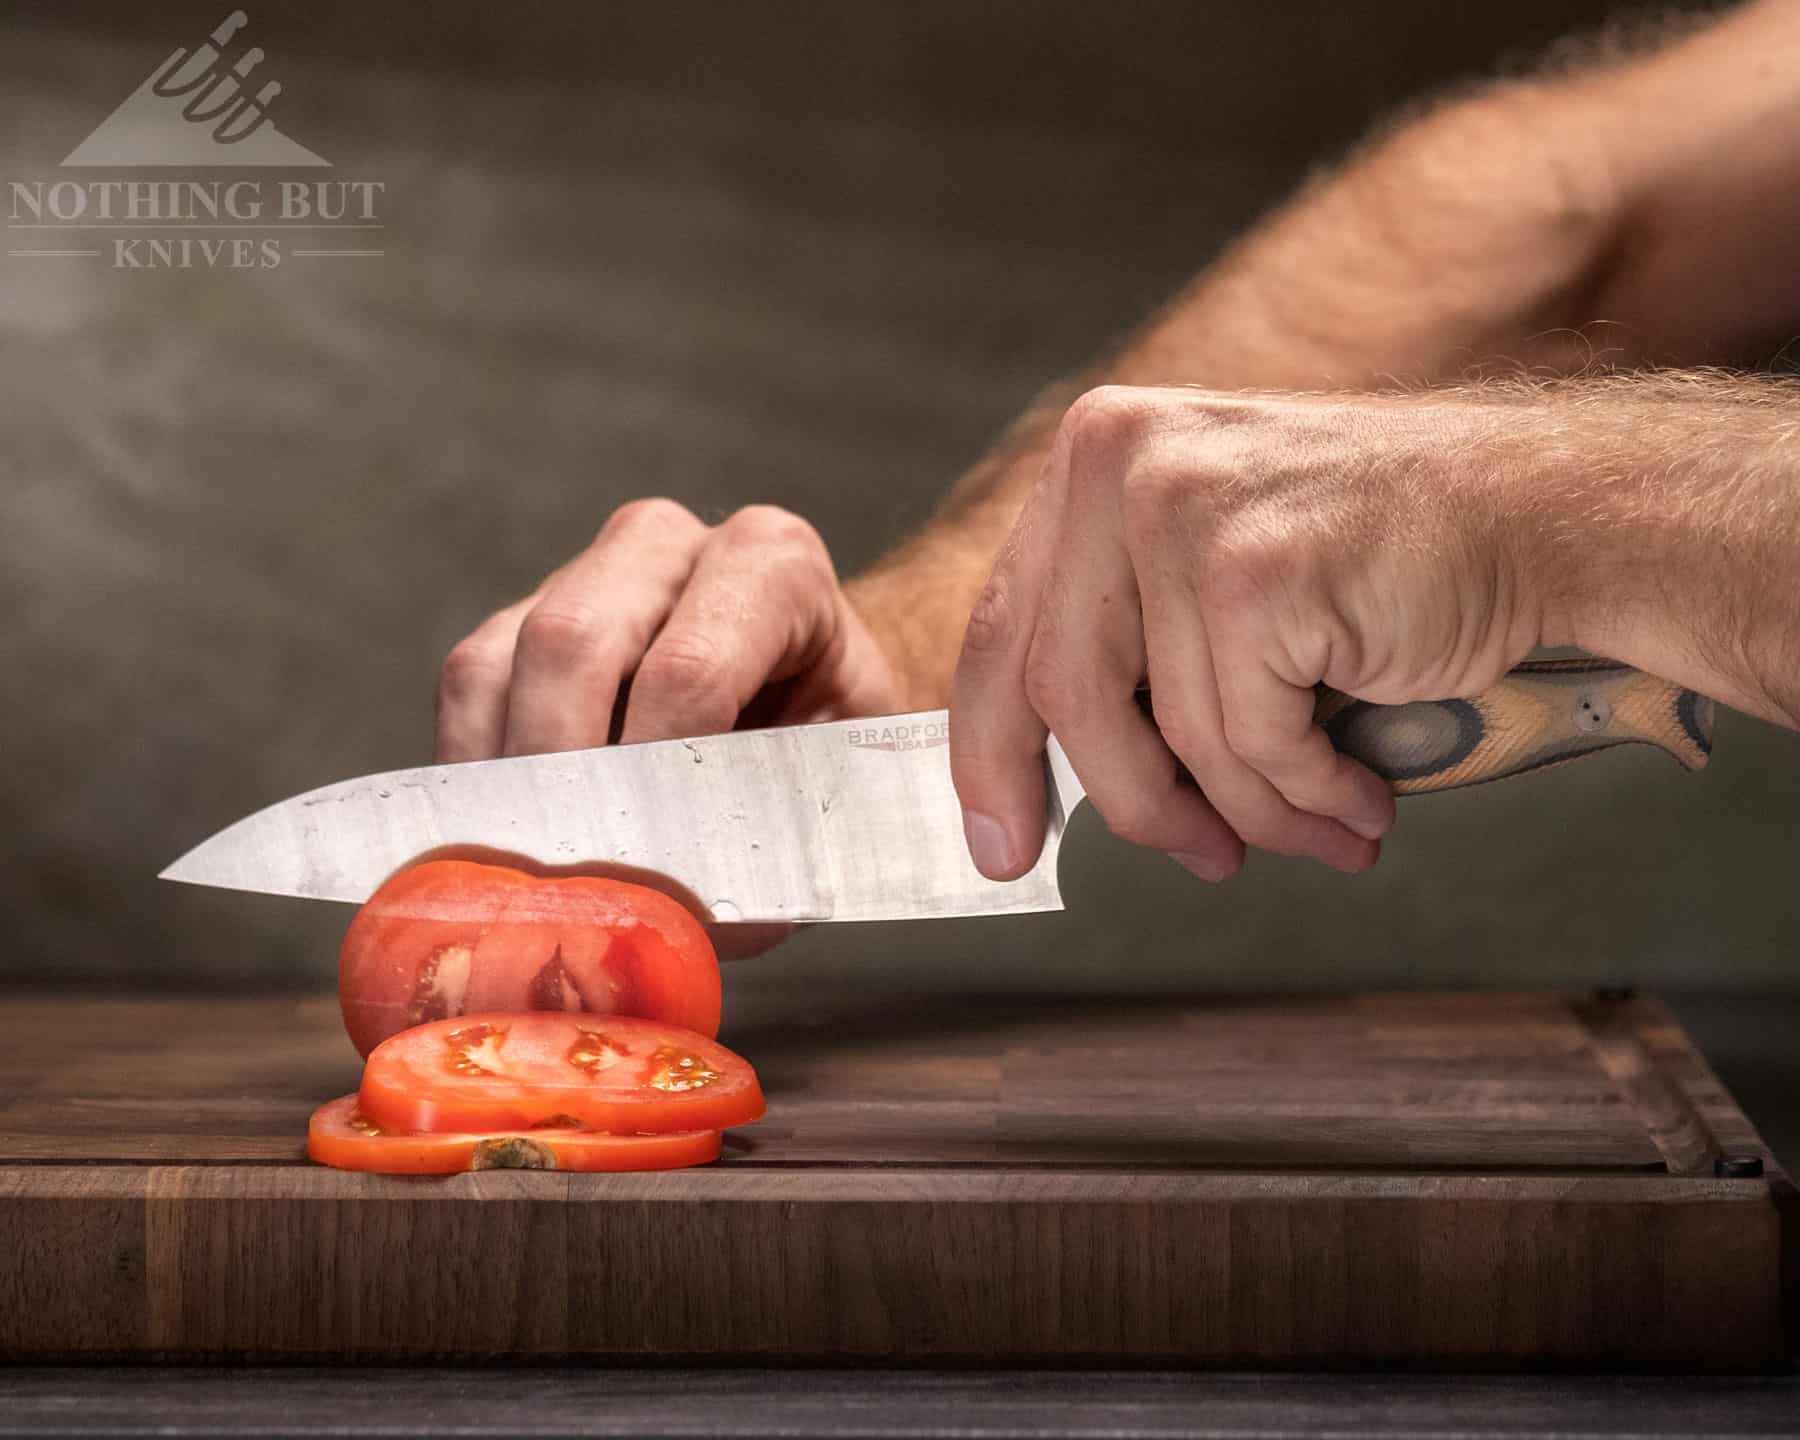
(696, 628)
(689, 628)
(1234, 551)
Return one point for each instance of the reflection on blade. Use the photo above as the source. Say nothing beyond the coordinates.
(854, 820)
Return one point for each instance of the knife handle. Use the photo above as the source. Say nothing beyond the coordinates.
(1542, 712)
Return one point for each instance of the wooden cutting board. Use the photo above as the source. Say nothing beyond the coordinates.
(1443, 1180)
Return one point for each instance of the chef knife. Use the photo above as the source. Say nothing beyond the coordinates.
(857, 819)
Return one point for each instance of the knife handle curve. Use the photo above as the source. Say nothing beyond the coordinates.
(1542, 712)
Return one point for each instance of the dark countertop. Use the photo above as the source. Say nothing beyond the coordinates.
(312, 1402)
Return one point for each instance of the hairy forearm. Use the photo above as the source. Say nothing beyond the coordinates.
(1629, 207)
(1661, 517)
(1700, 139)
(1461, 235)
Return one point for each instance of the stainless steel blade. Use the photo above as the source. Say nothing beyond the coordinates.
(853, 820)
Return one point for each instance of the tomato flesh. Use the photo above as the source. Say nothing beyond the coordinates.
(340, 1135)
(453, 937)
(509, 1072)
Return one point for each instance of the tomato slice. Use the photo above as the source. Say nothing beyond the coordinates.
(450, 937)
(341, 1136)
(508, 1072)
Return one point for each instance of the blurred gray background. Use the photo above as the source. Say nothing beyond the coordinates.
(814, 254)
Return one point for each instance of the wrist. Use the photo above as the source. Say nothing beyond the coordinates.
(1559, 484)
(1660, 534)
(887, 602)
(916, 604)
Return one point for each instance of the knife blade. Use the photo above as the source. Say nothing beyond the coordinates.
(849, 820)
(858, 819)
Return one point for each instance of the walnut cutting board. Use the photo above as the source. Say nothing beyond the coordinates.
(1442, 1180)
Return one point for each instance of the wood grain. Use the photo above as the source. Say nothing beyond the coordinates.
(1540, 713)
(1470, 1180)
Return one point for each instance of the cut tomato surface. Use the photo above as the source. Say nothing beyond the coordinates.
(341, 1135)
(452, 937)
(484, 1073)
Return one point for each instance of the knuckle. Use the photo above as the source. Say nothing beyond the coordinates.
(1106, 417)
(556, 636)
(1262, 822)
(1049, 684)
(1102, 428)
(1310, 779)
(466, 670)
(1179, 733)
(651, 513)
(772, 527)
(1136, 822)
(990, 627)
(1250, 743)
(690, 667)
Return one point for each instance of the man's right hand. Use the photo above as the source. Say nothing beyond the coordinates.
(698, 627)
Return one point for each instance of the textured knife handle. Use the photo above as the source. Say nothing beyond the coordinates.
(1542, 713)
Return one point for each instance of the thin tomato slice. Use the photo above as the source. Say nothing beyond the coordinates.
(483, 1073)
(340, 1135)
(451, 937)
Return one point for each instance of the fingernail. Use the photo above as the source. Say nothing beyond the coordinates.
(1204, 866)
(1368, 829)
(989, 845)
